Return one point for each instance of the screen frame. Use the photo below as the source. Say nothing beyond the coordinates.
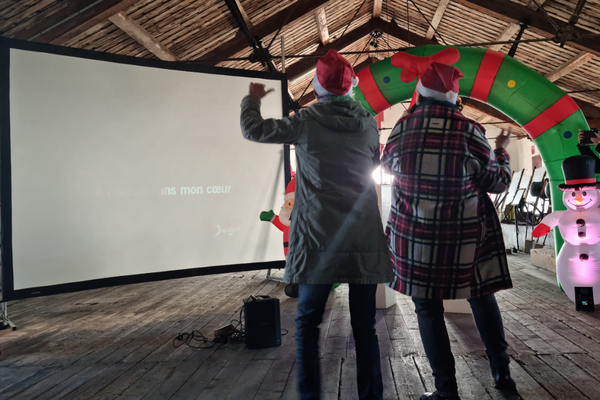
(7, 291)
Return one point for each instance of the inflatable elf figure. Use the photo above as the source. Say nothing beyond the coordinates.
(282, 222)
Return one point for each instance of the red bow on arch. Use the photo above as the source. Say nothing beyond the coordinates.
(414, 66)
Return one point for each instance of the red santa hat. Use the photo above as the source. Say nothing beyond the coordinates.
(334, 75)
(440, 81)
(290, 190)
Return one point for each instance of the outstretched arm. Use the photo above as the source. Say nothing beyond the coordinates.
(549, 222)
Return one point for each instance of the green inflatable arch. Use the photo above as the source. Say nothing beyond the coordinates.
(546, 113)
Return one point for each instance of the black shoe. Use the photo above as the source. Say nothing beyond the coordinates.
(503, 381)
(436, 396)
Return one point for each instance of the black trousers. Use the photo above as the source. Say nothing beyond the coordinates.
(430, 315)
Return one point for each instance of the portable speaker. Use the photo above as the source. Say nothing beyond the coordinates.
(584, 299)
(262, 323)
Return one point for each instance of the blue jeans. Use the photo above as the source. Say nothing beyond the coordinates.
(311, 306)
(430, 315)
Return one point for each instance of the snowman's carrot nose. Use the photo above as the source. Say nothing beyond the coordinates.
(578, 198)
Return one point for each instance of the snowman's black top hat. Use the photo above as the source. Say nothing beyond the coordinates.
(580, 172)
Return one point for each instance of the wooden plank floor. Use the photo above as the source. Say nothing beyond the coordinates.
(117, 343)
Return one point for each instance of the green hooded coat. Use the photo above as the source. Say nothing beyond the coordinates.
(336, 234)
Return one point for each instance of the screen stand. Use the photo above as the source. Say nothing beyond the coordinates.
(4, 321)
(273, 278)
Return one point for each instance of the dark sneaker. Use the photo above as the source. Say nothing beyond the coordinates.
(436, 396)
(503, 381)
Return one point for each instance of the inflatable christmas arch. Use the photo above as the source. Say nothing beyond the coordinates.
(546, 113)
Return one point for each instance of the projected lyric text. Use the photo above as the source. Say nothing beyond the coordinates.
(195, 190)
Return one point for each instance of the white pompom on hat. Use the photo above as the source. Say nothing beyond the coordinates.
(440, 82)
(334, 75)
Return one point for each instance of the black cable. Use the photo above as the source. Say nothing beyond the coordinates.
(385, 50)
(358, 56)
(386, 42)
(584, 91)
(189, 338)
(284, 23)
(408, 22)
(556, 28)
(387, 11)
(347, 26)
(436, 32)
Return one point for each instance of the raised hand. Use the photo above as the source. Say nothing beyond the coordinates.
(258, 89)
(502, 139)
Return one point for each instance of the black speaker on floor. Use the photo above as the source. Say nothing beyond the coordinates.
(584, 299)
(262, 322)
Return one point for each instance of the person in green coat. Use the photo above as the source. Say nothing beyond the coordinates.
(336, 233)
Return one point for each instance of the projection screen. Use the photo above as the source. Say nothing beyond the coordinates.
(122, 170)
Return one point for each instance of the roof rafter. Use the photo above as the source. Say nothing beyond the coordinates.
(391, 28)
(508, 33)
(321, 19)
(244, 14)
(437, 17)
(377, 4)
(72, 25)
(570, 65)
(512, 12)
(265, 28)
(532, 4)
(142, 36)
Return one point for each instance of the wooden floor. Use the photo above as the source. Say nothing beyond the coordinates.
(117, 343)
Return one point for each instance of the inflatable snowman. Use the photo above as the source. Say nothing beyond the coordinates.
(578, 262)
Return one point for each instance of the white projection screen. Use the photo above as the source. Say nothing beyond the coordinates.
(120, 170)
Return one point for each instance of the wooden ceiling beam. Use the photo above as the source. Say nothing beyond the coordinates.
(244, 14)
(142, 36)
(437, 17)
(508, 33)
(391, 28)
(45, 20)
(570, 65)
(261, 30)
(590, 110)
(321, 19)
(512, 12)
(377, 4)
(65, 29)
(533, 6)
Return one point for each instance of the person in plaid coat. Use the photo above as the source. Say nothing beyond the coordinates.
(444, 235)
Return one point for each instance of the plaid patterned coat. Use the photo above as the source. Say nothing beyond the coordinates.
(443, 232)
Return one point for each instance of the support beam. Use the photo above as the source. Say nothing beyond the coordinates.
(437, 17)
(377, 4)
(321, 19)
(142, 36)
(244, 15)
(391, 28)
(569, 66)
(263, 29)
(64, 30)
(508, 33)
(513, 12)
(45, 20)
(590, 110)
(485, 118)
(533, 6)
